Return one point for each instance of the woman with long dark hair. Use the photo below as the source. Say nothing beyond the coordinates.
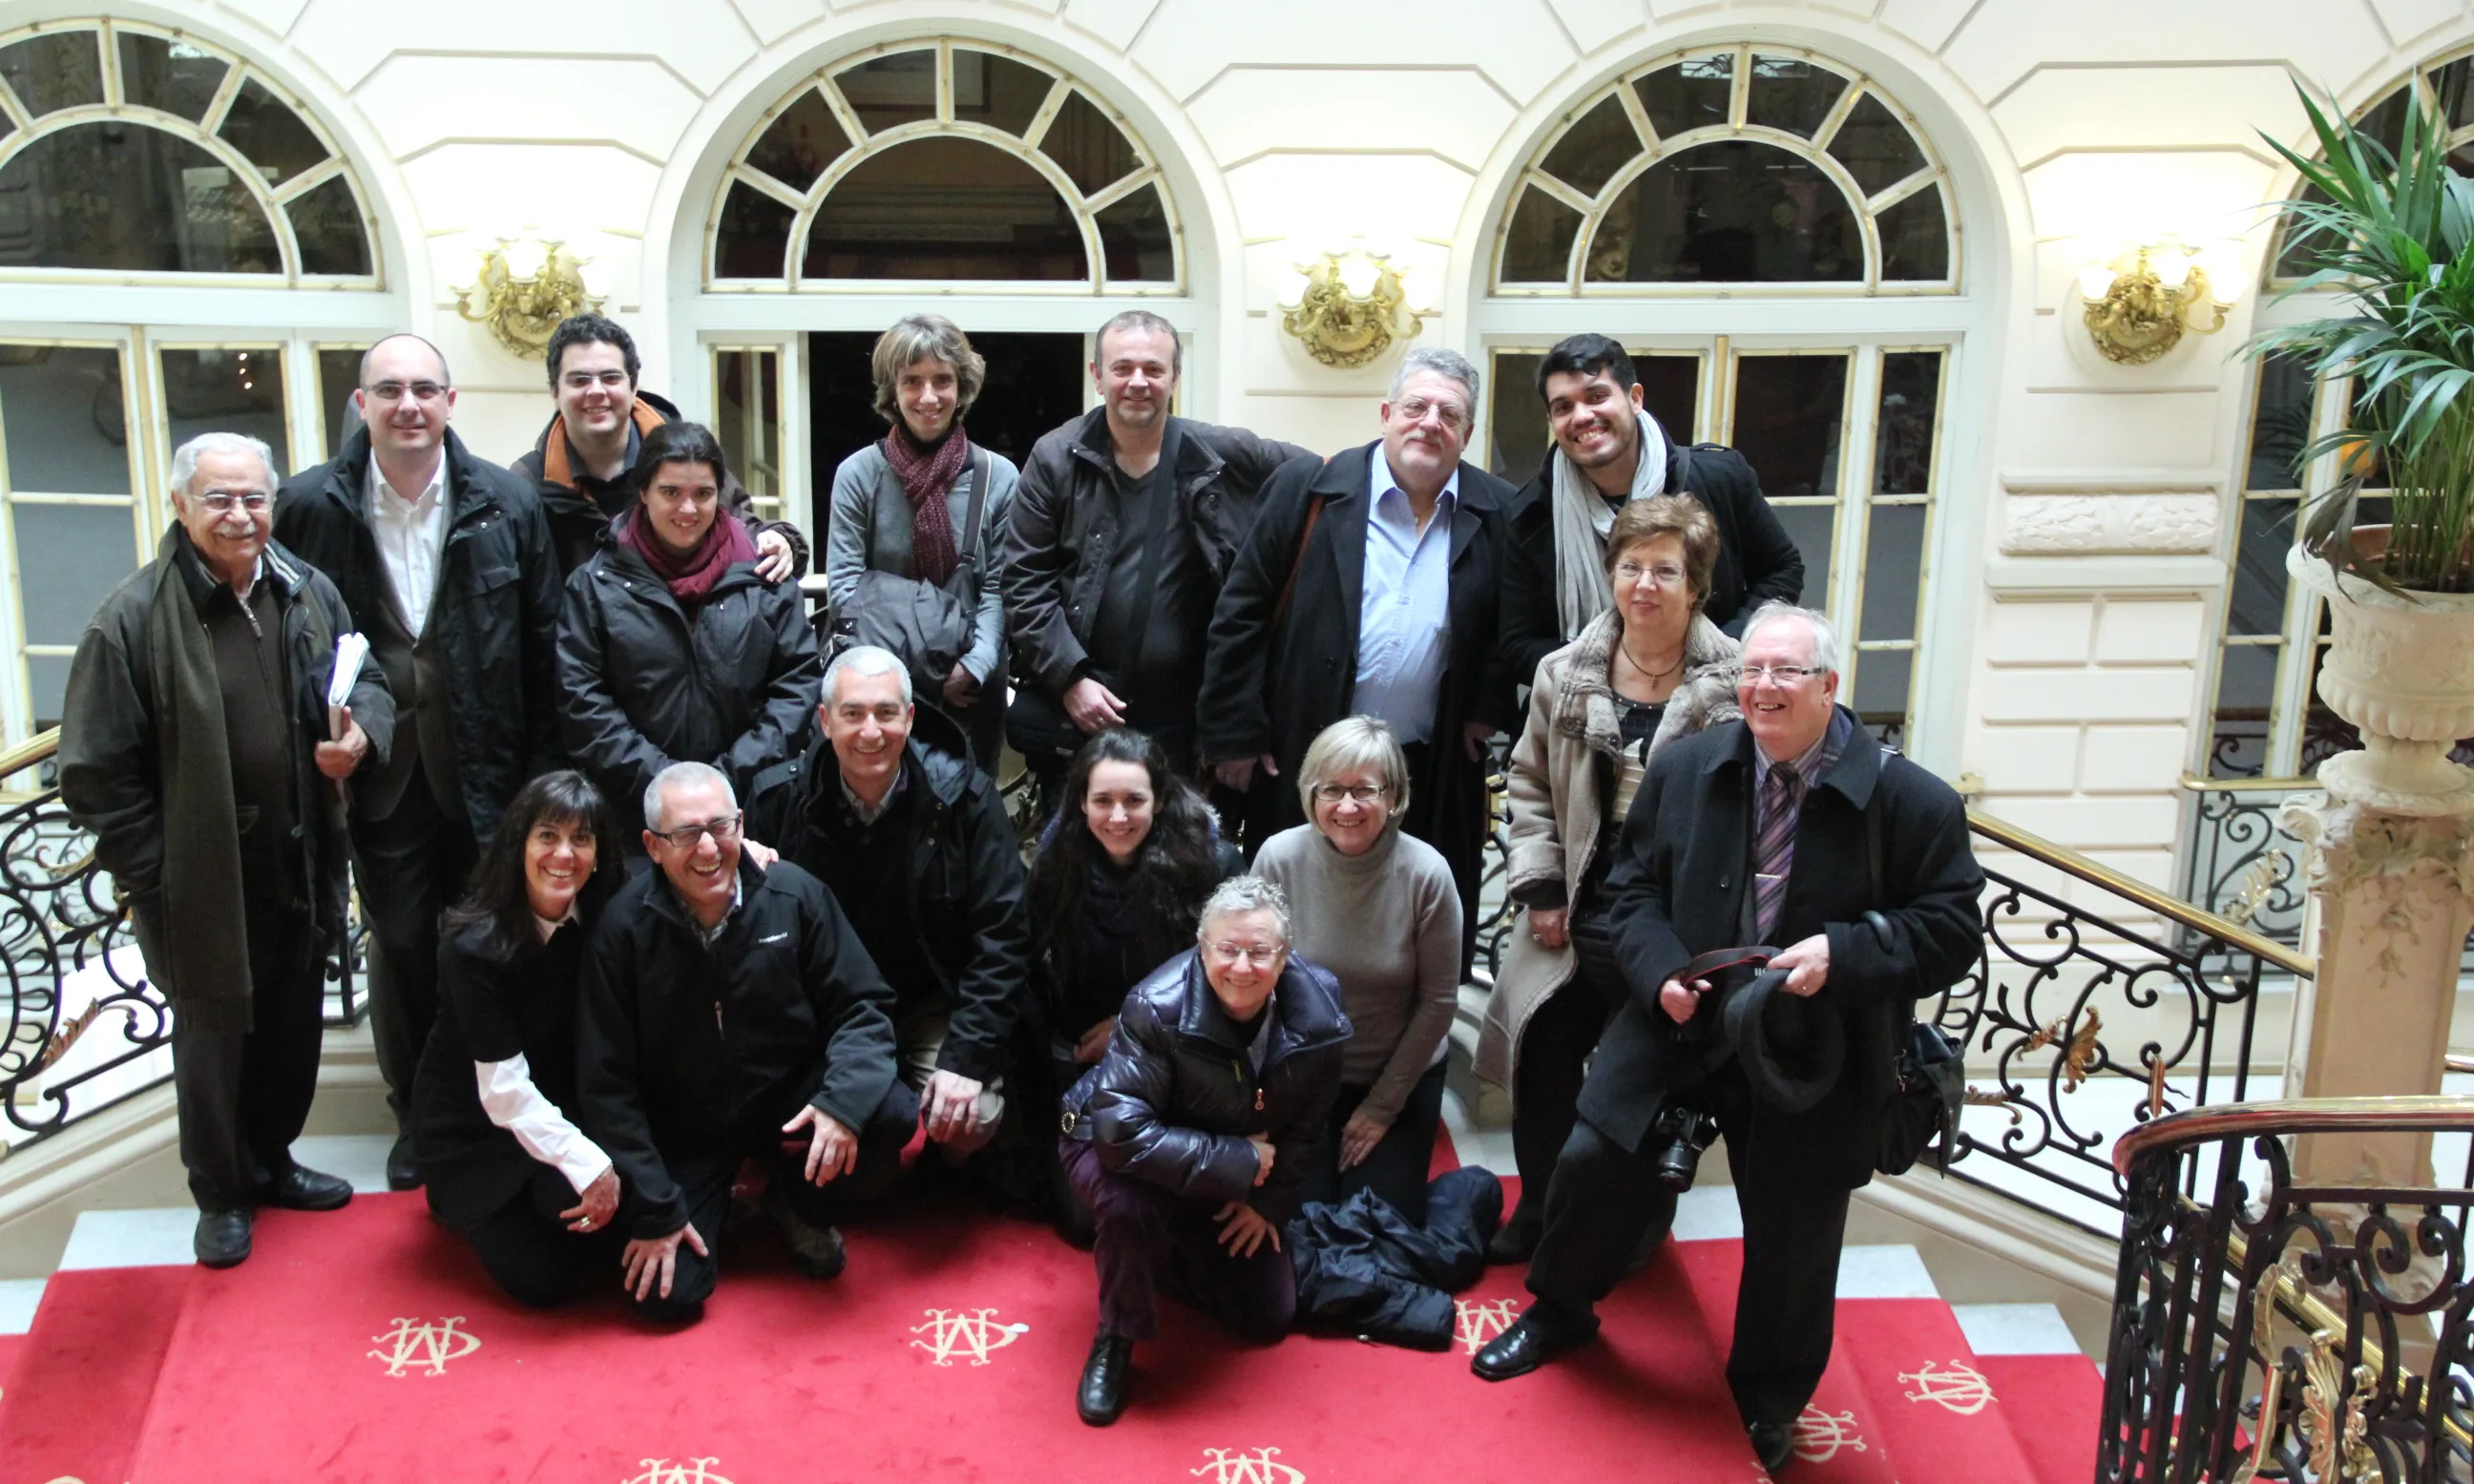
(1115, 892)
(503, 1163)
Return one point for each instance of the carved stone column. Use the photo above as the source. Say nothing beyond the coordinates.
(2392, 897)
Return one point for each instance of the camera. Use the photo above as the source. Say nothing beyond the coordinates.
(1676, 1142)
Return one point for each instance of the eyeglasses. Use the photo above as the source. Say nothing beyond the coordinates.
(424, 392)
(578, 380)
(1260, 957)
(1354, 792)
(221, 501)
(1665, 576)
(1781, 674)
(1416, 408)
(723, 831)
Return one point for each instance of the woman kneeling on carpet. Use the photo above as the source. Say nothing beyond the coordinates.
(502, 1163)
(1189, 1140)
(1379, 909)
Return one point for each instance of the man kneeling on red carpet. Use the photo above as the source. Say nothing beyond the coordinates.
(729, 1009)
(1189, 1140)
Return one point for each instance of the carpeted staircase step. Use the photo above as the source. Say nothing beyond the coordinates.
(18, 1300)
(91, 1362)
(2052, 1394)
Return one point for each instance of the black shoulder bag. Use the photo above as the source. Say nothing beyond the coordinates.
(1922, 1119)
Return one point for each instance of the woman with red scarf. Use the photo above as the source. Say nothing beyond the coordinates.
(672, 648)
(912, 541)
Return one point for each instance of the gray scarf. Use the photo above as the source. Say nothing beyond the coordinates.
(1582, 518)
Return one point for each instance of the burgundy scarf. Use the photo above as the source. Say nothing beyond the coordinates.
(690, 576)
(926, 475)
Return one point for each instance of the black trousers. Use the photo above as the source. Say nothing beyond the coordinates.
(705, 1177)
(1603, 1202)
(411, 866)
(532, 1256)
(1395, 1168)
(1149, 1240)
(1552, 1062)
(244, 1093)
(1427, 818)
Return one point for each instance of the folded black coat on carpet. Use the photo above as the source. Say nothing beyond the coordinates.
(1365, 1269)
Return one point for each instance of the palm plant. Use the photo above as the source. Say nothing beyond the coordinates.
(2393, 230)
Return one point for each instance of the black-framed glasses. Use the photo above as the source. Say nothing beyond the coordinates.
(1354, 792)
(723, 831)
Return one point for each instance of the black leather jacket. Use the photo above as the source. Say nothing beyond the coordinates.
(1176, 1097)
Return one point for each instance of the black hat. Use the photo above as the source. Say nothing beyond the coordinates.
(1791, 1049)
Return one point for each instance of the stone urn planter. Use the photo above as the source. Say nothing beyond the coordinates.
(2401, 669)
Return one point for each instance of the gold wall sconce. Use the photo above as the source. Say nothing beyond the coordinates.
(522, 288)
(2136, 313)
(1349, 305)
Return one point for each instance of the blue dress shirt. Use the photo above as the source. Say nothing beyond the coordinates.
(1404, 612)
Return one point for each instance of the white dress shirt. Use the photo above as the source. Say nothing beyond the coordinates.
(1404, 610)
(412, 538)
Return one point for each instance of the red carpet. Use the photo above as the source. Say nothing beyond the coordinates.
(366, 1346)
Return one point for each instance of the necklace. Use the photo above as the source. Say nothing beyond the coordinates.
(1643, 670)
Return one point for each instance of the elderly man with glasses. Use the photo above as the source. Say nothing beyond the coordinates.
(445, 560)
(728, 1009)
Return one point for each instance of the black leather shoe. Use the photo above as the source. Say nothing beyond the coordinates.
(1519, 1238)
(223, 1238)
(1101, 1394)
(403, 1170)
(1525, 1347)
(304, 1189)
(1773, 1444)
(816, 1251)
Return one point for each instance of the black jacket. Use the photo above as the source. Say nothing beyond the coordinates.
(1678, 889)
(1060, 540)
(581, 510)
(492, 1006)
(644, 683)
(1176, 1097)
(122, 773)
(1269, 688)
(1758, 561)
(961, 870)
(684, 1049)
(496, 613)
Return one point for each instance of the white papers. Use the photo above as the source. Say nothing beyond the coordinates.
(350, 651)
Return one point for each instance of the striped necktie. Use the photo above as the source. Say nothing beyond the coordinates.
(1774, 853)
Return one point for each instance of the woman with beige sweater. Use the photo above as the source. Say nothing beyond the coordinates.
(1379, 909)
(1650, 669)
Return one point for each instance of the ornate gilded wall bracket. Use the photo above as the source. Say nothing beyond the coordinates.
(1350, 306)
(521, 300)
(2137, 314)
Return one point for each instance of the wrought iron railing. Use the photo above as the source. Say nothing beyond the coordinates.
(2083, 1021)
(2266, 1329)
(84, 1029)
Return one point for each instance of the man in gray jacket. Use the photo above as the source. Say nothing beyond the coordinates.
(1123, 531)
(196, 744)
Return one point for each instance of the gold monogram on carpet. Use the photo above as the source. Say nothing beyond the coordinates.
(1246, 1465)
(967, 1332)
(1957, 1386)
(414, 1342)
(1475, 1322)
(1821, 1436)
(692, 1470)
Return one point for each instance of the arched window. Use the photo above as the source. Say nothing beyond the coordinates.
(128, 150)
(950, 161)
(1743, 164)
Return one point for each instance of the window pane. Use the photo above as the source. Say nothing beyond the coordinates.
(1538, 246)
(1882, 682)
(889, 92)
(1516, 423)
(945, 208)
(796, 147)
(1915, 239)
(61, 412)
(748, 395)
(754, 238)
(1731, 213)
(62, 70)
(264, 128)
(998, 92)
(1091, 149)
(1789, 412)
(1902, 438)
(1597, 145)
(118, 196)
(1814, 530)
(1875, 147)
(2245, 697)
(1692, 94)
(173, 76)
(48, 674)
(339, 373)
(2280, 425)
(239, 390)
(1893, 572)
(2449, 84)
(1135, 238)
(68, 557)
(1670, 389)
(2385, 120)
(1792, 94)
(2256, 603)
(326, 223)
